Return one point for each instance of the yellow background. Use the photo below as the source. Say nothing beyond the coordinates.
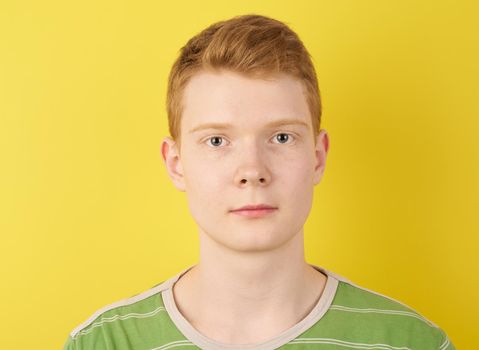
(89, 216)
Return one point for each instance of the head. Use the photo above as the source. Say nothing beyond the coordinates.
(252, 73)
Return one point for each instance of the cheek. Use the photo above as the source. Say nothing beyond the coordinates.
(205, 186)
(298, 173)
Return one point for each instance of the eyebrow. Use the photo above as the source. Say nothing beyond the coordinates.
(224, 126)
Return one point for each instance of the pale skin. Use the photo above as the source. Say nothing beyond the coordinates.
(252, 281)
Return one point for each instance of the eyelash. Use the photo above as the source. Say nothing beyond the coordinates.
(285, 133)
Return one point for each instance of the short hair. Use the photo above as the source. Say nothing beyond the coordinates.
(253, 45)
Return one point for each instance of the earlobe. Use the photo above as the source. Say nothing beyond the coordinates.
(173, 164)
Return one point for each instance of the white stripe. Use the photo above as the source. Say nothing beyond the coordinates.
(174, 344)
(445, 344)
(381, 311)
(141, 296)
(341, 278)
(346, 343)
(121, 317)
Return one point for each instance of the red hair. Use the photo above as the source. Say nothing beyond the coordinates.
(253, 45)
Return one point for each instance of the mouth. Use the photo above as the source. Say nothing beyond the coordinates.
(255, 213)
(255, 207)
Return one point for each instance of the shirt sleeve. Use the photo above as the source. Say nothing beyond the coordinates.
(69, 344)
(446, 343)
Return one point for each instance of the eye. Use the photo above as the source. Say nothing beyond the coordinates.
(217, 140)
(285, 137)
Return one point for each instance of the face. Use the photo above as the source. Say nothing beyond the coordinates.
(246, 141)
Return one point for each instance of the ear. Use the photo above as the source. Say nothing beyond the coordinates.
(321, 152)
(172, 160)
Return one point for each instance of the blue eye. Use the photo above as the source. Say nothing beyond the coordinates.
(217, 140)
(282, 133)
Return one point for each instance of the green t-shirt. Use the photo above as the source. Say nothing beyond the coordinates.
(346, 316)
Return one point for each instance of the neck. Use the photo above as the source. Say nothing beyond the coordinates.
(243, 291)
(251, 276)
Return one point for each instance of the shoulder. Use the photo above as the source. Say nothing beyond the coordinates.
(378, 315)
(143, 307)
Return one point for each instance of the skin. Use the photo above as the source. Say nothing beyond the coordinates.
(252, 281)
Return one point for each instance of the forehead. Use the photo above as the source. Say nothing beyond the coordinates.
(229, 97)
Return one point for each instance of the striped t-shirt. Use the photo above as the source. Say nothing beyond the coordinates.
(346, 316)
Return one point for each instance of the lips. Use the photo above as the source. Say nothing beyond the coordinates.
(255, 207)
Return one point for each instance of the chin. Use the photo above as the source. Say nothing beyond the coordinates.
(253, 240)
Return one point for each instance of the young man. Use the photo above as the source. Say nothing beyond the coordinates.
(247, 148)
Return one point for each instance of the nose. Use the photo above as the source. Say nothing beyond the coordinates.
(253, 170)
